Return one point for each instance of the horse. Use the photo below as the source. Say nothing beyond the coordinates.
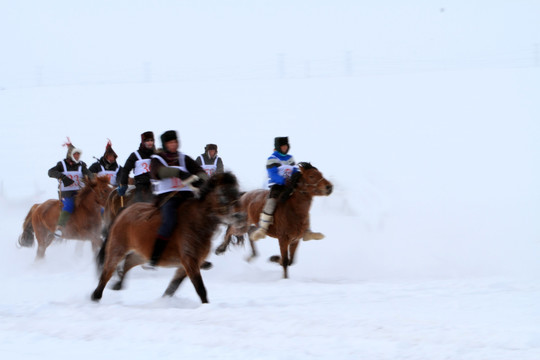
(114, 204)
(134, 230)
(84, 223)
(291, 218)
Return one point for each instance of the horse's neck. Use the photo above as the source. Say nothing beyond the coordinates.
(299, 202)
(206, 219)
(88, 201)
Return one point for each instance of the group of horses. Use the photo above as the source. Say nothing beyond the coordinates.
(123, 236)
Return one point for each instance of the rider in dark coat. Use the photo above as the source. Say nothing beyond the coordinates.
(107, 165)
(70, 173)
(174, 175)
(209, 161)
(139, 162)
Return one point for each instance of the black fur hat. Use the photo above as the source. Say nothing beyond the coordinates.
(210, 147)
(279, 141)
(168, 136)
(148, 135)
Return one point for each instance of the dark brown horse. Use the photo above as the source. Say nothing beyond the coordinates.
(133, 232)
(291, 218)
(84, 224)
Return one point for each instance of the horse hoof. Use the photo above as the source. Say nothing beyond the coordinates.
(275, 259)
(207, 265)
(117, 286)
(95, 297)
(219, 250)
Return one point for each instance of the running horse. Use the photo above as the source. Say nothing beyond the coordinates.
(84, 223)
(291, 218)
(132, 234)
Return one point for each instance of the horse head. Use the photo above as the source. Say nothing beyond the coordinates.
(98, 188)
(312, 181)
(222, 193)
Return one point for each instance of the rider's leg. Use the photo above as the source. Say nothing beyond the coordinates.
(68, 201)
(267, 216)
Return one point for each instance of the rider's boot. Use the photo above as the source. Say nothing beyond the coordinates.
(62, 221)
(265, 220)
(264, 223)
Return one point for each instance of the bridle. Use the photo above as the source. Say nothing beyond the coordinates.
(315, 184)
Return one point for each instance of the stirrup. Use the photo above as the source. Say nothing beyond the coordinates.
(58, 232)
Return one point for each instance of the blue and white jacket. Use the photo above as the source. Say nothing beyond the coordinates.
(280, 167)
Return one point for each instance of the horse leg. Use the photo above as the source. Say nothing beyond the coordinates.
(197, 281)
(254, 253)
(44, 239)
(130, 262)
(194, 274)
(177, 279)
(96, 244)
(226, 241)
(284, 248)
(292, 251)
(111, 262)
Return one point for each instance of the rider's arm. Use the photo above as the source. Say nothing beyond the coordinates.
(56, 171)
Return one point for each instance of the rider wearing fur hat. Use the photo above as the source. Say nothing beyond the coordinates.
(139, 162)
(107, 165)
(174, 176)
(209, 161)
(70, 173)
(280, 167)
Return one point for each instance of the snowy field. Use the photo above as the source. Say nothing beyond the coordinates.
(427, 124)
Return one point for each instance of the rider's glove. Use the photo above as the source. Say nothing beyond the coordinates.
(122, 190)
(66, 181)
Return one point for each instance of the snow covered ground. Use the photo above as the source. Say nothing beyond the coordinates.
(429, 131)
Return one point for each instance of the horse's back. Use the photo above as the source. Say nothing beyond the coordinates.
(252, 202)
(136, 222)
(48, 209)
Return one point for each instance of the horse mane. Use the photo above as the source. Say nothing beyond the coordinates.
(89, 185)
(306, 165)
(226, 178)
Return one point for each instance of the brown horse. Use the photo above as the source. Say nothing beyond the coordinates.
(291, 218)
(114, 204)
(133, 232)
(84, 224)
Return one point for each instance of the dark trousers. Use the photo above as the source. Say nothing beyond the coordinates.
(276, 191)
(169, 211)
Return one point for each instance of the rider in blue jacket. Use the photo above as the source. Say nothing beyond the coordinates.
(280, 166)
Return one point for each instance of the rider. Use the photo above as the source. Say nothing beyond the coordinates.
(70, 173)
(107, 165)
(174, 176)
(139, 162)
(209, 161)
(280, 166)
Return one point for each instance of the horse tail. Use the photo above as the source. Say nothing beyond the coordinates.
(26, 239)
